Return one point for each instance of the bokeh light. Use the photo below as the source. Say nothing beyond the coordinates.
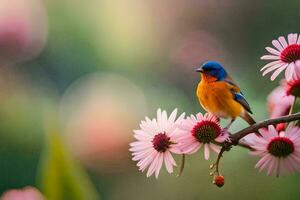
(23, 29)
(99, 112)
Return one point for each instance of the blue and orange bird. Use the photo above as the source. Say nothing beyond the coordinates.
(220, 95)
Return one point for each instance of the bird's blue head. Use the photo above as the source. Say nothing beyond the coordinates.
(214, 69)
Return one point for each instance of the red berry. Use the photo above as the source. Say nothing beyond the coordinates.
(219, 181)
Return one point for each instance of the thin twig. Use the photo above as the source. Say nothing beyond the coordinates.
(218, 160)
(255, 127)
(235, 138)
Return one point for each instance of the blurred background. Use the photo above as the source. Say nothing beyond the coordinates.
(78, 76)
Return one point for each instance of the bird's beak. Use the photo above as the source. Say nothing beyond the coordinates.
(200, 70)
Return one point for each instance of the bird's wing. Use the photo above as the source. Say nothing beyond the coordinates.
(232, 84)
(241, 99)
(237, 94)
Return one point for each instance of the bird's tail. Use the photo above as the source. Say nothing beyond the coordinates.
(247, 117)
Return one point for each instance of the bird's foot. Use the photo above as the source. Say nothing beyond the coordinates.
(227, 144)
(229, 125)
(232, 140)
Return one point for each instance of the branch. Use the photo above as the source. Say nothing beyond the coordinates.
(235, 138)
(218, 160)
(182, 165)
(244, 145)
(255, 127)
(226, 146)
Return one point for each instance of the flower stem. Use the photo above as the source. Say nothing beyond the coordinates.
(218, 160)
(181, 165)
(292, 106)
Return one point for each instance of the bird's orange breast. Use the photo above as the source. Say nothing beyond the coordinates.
(216, 97)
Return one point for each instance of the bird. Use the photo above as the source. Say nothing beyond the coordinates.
(218, 94)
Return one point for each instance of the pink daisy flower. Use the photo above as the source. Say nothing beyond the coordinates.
(197, 131)
(285, 56)
(156, 140)
(278, 102)
(279, 152)
(293, 86)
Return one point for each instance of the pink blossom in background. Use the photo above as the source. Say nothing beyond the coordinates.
(279, 152)
(23, 29)
(285, 56)
(156, 140)
(278, 102)
(201, 131)
(293, 86)
(194, 48)
(98, 113)
(27, 193)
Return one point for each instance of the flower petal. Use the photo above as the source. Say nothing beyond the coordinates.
(168, 162)
(206, 151)
(153, 165)
(269, 57)
(271, 166)
(274, 67)
(277, 45)
(173, 116)
(290, 71)
(215, 148)
(273, 51)
(278, 71)
(292, 38)
(283, 41)
(298, 41)
(159, 164)
(271, 64)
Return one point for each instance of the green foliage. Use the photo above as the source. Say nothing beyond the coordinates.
(60, 176)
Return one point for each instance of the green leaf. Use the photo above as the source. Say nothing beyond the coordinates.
(60, 176)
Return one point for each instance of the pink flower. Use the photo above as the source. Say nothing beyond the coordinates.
(91, 131)
(279, 152)
(197, 131)
(293, 86)
(23, 29)
(278, 102)
(285, 56)
(156, 140)
(27, 193)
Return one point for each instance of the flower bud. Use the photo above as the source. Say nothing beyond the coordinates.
(219, 181)
(280, 127)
